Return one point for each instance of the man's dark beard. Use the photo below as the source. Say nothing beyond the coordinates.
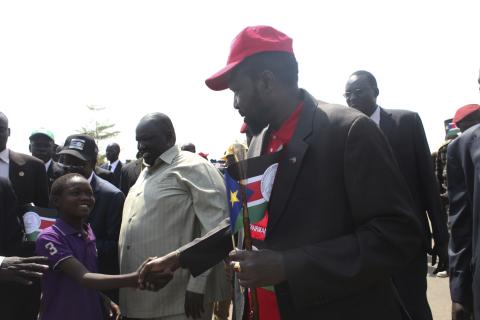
(254, 127)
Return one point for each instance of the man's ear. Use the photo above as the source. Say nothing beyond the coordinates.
(30, 147)
(376, 91)
(266, 82)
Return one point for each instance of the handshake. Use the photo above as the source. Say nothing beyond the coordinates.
(155, 273)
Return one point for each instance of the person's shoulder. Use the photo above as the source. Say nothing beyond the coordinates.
(105, 187)
(49, 234)
(336, 115)
(402, 113)
(22, 158)
(469, 135)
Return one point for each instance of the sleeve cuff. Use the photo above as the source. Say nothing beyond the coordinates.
(1, 260)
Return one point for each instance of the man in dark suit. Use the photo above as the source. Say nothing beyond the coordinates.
(12, 268)
(338, 226)
(79, 155)
(463, 163)
(130, 173)
(114, 165)
(42, 146)
(26, 173)
(404, 131)
(28, 178)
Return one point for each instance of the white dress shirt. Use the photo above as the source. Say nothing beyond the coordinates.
(376, 116)
(114, 165)
(47, 164)
(4, 163)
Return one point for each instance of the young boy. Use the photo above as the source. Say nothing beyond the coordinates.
(70, 287)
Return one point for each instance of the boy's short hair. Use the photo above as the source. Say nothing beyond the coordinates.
(59, 184)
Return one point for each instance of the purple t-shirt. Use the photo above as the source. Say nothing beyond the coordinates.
(63, 297)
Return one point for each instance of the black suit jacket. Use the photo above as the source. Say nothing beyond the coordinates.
(105, 220)
(117, 173)
(104, 174)
(10, 229)
(29, 179)
(405, 133)
(341, 215)
(130, 173)
(54, 171)
(463, 175)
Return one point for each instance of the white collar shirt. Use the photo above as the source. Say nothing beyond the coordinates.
(4, 163)
(376, 116)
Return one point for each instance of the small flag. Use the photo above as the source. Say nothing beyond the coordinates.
(234, 199)
(35, 219)
(258, 184)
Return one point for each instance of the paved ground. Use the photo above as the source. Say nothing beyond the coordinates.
(439, 297)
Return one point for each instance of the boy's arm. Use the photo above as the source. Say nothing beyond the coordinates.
(76, 270)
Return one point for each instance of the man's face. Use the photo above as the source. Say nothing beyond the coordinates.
(248, 102)
(41, 147)
(112, 153)
(4, 133)
(73, 164)
(152, 140)
(360, 94)
(76, 200)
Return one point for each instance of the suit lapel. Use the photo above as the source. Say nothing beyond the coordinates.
(15, 170)
(96, 195)
(291, 162)
(386, 123)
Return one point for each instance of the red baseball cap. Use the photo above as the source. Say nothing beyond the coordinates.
(250, 41)
(465, 111)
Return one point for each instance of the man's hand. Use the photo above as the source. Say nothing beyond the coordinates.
(19, 269)
(258, 268)
(193, 305)
(459, 312)
(440, 251)
(156, 273)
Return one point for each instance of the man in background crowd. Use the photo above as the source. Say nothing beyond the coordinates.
(114, 164)
(463, 173)
(404, 131)
(28, 178)
(42, 146)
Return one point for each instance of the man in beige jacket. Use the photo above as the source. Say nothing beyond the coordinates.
(179, 196)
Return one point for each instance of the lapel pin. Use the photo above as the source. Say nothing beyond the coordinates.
(21, 173)
(293, 160)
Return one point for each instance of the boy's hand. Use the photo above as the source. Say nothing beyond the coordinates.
(112, 309)
(155, 273)
(19, 269)
(114, 312)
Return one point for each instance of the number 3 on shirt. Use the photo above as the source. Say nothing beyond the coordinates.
(51, 248)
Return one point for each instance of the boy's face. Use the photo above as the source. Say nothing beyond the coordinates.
(77, 200)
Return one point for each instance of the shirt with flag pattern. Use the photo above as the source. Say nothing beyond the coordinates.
(278, 140)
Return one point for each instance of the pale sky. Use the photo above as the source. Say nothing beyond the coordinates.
(136, 57)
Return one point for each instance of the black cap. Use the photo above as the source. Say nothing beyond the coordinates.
(80, 146)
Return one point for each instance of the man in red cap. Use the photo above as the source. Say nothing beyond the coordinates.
(463, 175)
(338, 226)
(467, 116)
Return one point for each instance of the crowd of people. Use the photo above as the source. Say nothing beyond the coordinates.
(356, 208)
